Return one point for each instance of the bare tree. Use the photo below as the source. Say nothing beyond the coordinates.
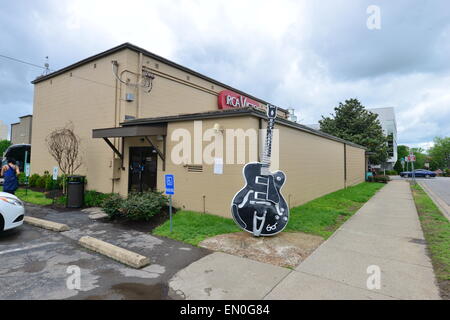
(63, 144)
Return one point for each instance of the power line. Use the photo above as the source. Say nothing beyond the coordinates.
(21, 61)
(71, 74)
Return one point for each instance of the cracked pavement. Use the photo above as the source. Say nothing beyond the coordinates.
(34, 262)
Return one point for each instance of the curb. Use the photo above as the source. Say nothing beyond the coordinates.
(46, 224)
(124, 256)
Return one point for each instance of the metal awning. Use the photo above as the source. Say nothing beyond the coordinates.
(130, 131)
(134, 131)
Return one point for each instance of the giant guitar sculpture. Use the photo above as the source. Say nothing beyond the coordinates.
(259, 207)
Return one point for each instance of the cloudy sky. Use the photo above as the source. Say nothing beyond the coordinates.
(309, 55)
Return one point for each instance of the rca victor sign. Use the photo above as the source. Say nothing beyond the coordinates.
(229, 99)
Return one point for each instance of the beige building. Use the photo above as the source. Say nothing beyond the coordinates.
(21, 131)
(133, 110)
(3, 131)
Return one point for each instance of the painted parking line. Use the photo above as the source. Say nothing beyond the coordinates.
(28, 247)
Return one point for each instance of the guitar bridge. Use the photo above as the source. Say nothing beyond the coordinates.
(260, 196)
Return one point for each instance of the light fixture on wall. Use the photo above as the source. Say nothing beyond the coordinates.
(218, 128)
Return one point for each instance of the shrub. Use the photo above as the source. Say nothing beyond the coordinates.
(447, 172)
(381, 178)
(143, 206)
(111, 205)
(138, 206)
(61, 200)
(94, 198)
(391, 172)
(60, 182)
(41, 182)
(33, 180)
(22, 178)
(49, 182)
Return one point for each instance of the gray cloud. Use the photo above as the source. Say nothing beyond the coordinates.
(307, 55)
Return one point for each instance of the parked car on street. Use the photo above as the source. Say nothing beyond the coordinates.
(12, 211)
(418, 173)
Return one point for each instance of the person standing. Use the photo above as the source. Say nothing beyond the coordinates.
(10, 172)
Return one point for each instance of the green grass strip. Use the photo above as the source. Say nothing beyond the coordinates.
(32, 197)
(193, 227)
(436, 229)
(321, 216)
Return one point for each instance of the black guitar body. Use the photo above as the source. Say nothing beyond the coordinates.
(259, 207)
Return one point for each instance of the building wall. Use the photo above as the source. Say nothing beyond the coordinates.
(90, 97)
(355, 159)
(386, 116)
(85, 99)
(21, 131)
(314, 166)
(3, 131)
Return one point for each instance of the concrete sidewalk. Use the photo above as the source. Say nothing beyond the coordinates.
(384, 233)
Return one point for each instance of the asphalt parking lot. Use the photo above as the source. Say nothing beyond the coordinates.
(36, 263)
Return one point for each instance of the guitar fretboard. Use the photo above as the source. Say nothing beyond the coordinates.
(268, 144)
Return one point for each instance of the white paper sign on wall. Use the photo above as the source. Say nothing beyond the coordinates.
(55, 173)
(218, 166)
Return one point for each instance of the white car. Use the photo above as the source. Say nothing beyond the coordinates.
(11, 211)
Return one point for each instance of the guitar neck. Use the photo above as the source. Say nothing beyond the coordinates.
(267, 153)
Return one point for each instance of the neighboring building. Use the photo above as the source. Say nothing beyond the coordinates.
(130, 106)
(3, 131)
(389, 125)
(21, 131)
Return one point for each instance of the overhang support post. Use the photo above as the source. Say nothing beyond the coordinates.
(114, 149)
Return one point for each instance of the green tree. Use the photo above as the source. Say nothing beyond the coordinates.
(354, 123)
(421, 157)
(402, 152)
(4, 144)
(440, 152)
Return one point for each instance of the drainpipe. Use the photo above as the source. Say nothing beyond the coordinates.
(345, 165)
(138, 95)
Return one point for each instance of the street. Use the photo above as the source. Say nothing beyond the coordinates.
(34, 262)
(438, 189)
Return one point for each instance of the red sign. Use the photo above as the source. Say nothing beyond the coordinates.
(229, 99)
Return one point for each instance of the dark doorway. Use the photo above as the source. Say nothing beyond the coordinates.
(142, 169)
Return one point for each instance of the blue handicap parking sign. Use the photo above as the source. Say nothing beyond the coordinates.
(170, 184)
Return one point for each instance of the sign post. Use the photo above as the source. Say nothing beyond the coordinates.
(412, 158)
(170, 190)
(54, 177)
(26, 167)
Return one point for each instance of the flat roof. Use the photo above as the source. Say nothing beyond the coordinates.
(234, 113)
(135, 48)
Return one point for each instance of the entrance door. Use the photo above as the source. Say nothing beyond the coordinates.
(142, 169)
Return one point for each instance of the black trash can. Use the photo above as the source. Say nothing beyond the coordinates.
(75, 191)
